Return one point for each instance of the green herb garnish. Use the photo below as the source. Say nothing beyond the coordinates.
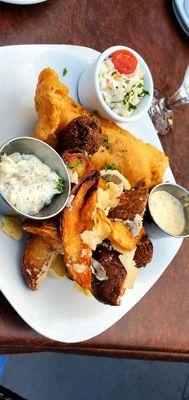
(64, 72)
(124, 100)
(69, 165)
(60, 185)
(109, 166)
(144, 93)
(140, 85)
(114, 73)
(105, 142)
(131, 106)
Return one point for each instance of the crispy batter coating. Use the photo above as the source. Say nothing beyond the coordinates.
(83, 132)
(135, 159)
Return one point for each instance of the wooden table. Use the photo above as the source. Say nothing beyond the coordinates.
(158, 326)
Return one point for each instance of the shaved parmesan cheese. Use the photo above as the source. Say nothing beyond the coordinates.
(98, 270)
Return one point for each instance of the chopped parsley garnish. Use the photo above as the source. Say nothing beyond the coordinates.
(105, 142)
(127, 81)
(60, 185)
(64, 72)
(109, 166)
(131, 106)
(69, 165)
(144, 93)
(124, 100)
(140, 85)
(114, 73)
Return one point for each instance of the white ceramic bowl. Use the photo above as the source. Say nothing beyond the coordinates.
(90, 95)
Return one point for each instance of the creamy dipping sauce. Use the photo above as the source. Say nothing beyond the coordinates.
(121, 92)
(168, 212)
(27, 183)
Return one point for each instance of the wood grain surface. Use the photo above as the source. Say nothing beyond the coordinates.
(158, 326)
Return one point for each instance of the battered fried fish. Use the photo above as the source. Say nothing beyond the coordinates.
(135, 159)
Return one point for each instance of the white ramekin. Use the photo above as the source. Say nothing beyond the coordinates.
(91, 98)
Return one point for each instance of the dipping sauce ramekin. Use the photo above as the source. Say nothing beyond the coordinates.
(90, 95)
(181, 194)
(46, 154)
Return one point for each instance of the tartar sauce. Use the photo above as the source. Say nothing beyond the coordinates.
(121, 92)
(168, 212)
(27, 183)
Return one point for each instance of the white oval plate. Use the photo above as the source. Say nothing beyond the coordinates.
(58, 311)
(23, 2)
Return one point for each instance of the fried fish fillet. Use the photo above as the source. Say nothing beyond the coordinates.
(134, 158)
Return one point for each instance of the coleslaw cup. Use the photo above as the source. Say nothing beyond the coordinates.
(90, 95)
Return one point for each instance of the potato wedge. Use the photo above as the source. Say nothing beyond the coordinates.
(76, 220)
(58, 268)
(119, 233)
(48, 231)
(36, 261)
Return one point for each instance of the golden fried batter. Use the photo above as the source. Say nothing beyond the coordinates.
(132, 157)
